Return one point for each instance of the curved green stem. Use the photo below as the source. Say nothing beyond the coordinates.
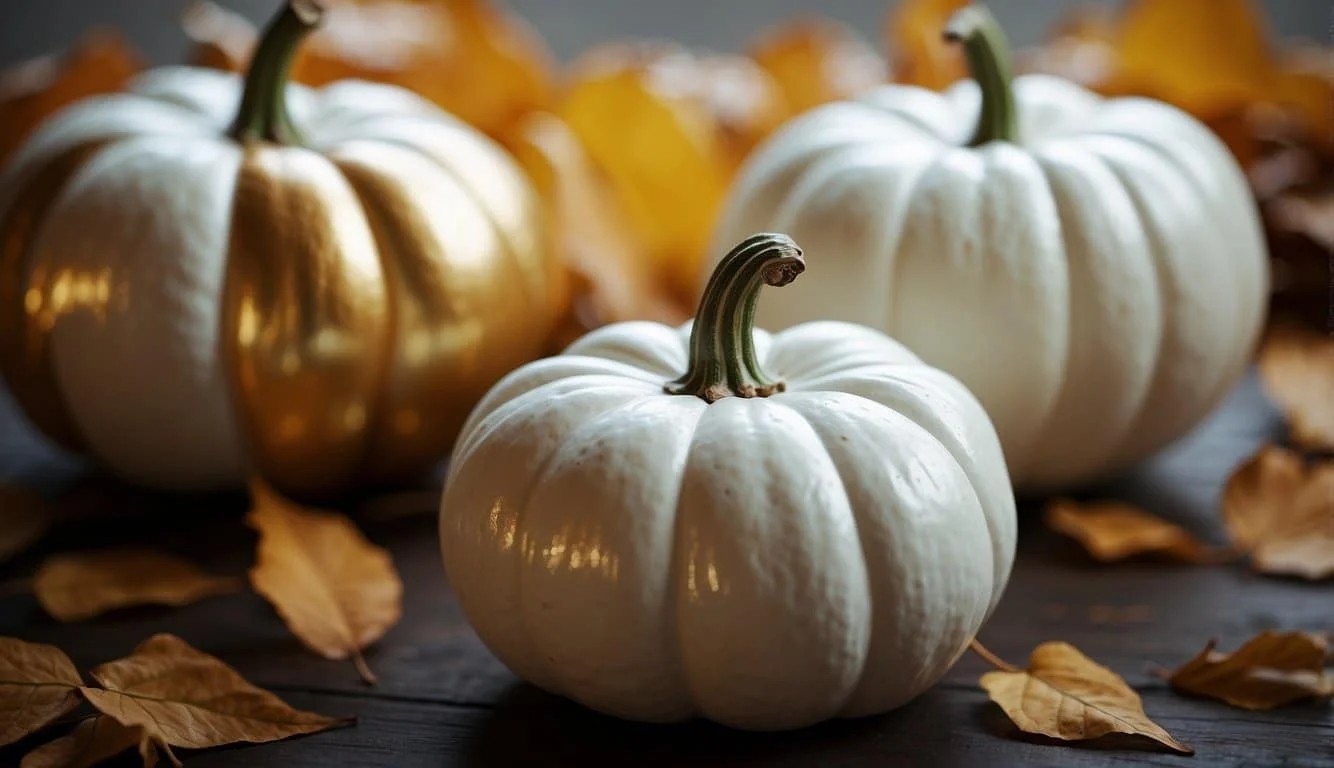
(722, 343)
(988, 56)
(263, 115)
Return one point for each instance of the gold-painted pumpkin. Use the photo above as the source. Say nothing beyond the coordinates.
(315, 286)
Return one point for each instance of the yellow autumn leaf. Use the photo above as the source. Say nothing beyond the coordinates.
(81, 585)
(1066, 695)
(38, 683)
(182, 697)
(336, 591)
(91, 742)
(1113, 530)
(1297, 370)
(1280, 511)
(1270, 670)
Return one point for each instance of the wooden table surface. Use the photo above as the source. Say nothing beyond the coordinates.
(443, 700)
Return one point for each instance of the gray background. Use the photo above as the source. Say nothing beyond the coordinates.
(32, 27)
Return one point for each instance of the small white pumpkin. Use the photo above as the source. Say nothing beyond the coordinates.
(1092, 269)
(767, 553)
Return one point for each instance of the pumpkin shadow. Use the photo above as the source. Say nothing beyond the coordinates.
(530, 727)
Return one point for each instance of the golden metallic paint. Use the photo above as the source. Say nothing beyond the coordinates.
(31, 297)
(458, 322)
(373, 294)
(305, 321)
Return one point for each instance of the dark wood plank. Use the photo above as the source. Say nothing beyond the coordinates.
(444, 700)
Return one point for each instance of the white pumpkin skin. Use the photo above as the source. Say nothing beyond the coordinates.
(1098, 285)
(129, 271)
(768, 562)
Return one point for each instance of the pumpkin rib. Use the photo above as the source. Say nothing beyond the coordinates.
(428, 262)
(1241, 321)
(534, 295)
(25, 357)
(303, 335)
(1174, 342)
(654, 642)
(905, 389)
(1088, 437)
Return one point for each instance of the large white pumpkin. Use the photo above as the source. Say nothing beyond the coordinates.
(765, 555)
(1095, 273)
(206, 277)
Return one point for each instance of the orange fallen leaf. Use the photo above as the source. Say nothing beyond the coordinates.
(183, 697)
(38, 683)
(479, 62)
(1270, 670)
(1113, 530)
(921, 55)
(1281, 512)
(650, 115)
(817, 60)
(336, 591)
(24, 517)
(1066, 695)
(1297, 370)
(81, 585)
(101, 62)
(94, 740)
(1205, 56)
(614, 281)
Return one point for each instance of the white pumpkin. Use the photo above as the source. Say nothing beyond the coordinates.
(198, 283)
(1097, 277)
(766, 555)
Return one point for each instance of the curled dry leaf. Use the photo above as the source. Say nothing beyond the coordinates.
(650, 115)
(336, 591)
(182, 697)
(614, 280)
(921, 55)
(1297, 369)
(1281, 512)
(94, 740)
(1270, 670)
(816, 60)
(475, 60)
(81, 585)
(38, 683)
(1113, 530)
(30, 92)
(1066, 695)
(24, 517)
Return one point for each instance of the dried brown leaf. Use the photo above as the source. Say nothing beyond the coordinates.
(1297, 369)
(24, 517)
(1113, 530)
(183, 697)
(80, 585)
(93, 741)
(1281, 512)
(1066, 695)
(38, 683)
(1270, 670)
(337, 592)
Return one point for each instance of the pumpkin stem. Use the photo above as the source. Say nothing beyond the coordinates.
(263, 114)
(722, 343)
(988, 56)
